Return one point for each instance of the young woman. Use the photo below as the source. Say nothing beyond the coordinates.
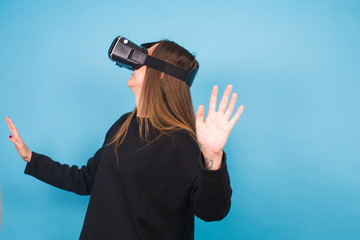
(158, 166)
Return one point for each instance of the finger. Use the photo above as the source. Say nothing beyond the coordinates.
(231, 106)
(8, 122)
(13, 130)
(225, 99)
(236, 116)
(213, 99)
(200, 113)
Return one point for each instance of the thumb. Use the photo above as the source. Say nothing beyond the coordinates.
(12, 139)
(200, 113)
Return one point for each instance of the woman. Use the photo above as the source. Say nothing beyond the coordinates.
(150, 177)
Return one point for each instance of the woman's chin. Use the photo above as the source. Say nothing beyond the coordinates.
(129, 83)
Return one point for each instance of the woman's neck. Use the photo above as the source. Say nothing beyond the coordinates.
(138, 113)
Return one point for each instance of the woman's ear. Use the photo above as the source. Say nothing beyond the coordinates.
(162, 75)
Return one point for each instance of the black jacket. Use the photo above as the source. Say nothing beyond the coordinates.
(152, 194)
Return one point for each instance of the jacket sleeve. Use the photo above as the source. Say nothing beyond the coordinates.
(70, 178)
(210, 190)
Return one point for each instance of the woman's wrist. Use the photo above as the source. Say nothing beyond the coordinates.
(213, 160)
(28, 156)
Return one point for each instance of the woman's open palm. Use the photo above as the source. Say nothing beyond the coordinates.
(20, 146)
(213, 133)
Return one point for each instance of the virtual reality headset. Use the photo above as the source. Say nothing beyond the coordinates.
(127, 54)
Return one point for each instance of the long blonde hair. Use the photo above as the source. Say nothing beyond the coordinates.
(166, 101)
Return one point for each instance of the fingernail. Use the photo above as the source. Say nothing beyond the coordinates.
(10, 136)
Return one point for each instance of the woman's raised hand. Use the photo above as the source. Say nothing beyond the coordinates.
(213, 133)
(20, 146)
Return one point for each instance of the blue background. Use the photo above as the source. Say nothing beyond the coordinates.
(293, 156)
